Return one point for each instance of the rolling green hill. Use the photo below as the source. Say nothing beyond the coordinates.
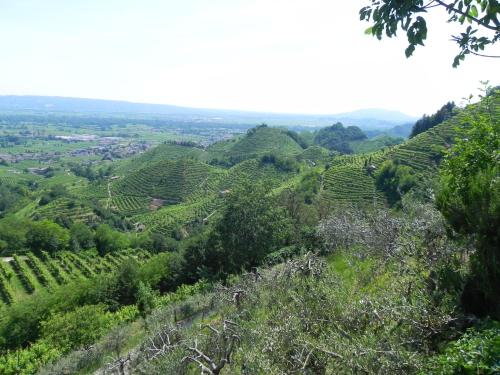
(172, 185)
(203, 199)
(316, 154)
(257, 142)
(172, 181)
(374, 144)
(166, 151)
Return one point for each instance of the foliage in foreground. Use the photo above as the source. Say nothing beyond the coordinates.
(470, 200)
(480, 16)
(382, 301)
(476, 352)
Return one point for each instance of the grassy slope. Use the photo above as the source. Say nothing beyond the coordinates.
(351, 317)
(374, 144)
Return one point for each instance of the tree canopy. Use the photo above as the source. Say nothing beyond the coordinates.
(479, 18)
(427, 122)
(47, 235)
(470, 199)
(251, 226)
(337, 137)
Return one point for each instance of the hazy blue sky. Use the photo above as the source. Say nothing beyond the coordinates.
(308, 56)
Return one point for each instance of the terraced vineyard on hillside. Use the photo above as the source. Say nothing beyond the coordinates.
(167, 151)
(257, 142)
(316, 154)
(27, 274)
(350, 178)
(204, 202)
(172, 186)
(255, 171)
(171, 180)
(66, 207)
(167, 219)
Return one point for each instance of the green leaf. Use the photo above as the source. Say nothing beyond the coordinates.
(409, 51)
(369, 31)
(473, 11)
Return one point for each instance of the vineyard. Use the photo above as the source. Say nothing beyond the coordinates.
(130, 205)
(12, 178)
(350, 177)
(171, 180)
(255, 170)
(264, 140)
(170, 218)
(66, 207)
(21, 276)
(207, 197)
(316, 154)
(220, 150)
(167, 151)
(171, 186)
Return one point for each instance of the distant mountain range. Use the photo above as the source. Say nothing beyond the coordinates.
(367, 119)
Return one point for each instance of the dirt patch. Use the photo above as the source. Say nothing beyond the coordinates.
(156, 204)
(10, 259)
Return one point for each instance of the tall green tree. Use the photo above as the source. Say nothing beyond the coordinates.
(81, 237)
(337, 137)
(395, 180)
(470, 199)
(108, 240)
(428, 122)
(251, 226)
(13, 234)
(479, 19)
(47, 235)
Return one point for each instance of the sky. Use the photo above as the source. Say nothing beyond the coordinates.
(289, 56)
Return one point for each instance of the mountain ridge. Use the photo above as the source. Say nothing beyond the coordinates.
(369, 118)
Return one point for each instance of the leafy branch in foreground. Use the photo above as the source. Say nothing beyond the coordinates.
(469, 198)
(482, 16)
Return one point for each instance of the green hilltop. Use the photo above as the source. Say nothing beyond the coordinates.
(257, 142)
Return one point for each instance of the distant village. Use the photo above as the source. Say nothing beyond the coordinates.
(109, 148)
